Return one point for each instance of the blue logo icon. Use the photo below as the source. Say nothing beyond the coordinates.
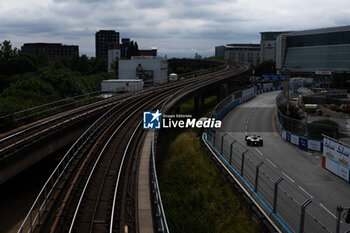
(151, 120)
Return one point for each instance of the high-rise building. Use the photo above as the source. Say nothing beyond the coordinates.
(102, 39)
(268, 45)
(51, 49)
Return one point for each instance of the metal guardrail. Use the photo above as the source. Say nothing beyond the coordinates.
(287, 203)
(34, 113)
(284, 200)
(36, 131)
(43, 200)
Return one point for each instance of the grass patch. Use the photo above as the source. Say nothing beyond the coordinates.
(327, 127)
(196, 198)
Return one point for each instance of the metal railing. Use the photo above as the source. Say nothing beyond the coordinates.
(295, 210)
(38, 130)
(291, 207)
(161, 221)
(45, 196)
(34, 113)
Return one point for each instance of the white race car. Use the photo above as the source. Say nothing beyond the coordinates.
(254, 140)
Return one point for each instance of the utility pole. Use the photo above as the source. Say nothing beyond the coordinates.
(287, 87)
(286, 72)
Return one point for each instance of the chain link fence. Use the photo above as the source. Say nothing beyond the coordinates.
(304, 128)
(295, 210)
(286, 202)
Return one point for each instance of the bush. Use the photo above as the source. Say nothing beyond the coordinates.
(195, 197)
(327, 127)
(293, 110)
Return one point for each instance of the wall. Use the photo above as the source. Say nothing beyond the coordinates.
(159, 66)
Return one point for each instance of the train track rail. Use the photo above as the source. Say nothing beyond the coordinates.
(16, 140)
(96, 186)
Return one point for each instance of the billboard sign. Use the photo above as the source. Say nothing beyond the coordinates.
(338, 157)
(273, 77)
(320, 72)
(294, 139)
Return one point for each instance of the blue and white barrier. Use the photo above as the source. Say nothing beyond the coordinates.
(336, 157)
(302, 142)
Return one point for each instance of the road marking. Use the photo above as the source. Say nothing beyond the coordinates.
(271, 163)
(328, 210)
(259, 151)
(306, 192)
(288, 177)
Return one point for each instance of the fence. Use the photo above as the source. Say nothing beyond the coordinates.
(37, 112)
(303, 127)
(287, 203)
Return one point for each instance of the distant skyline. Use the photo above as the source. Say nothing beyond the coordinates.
(177, 28)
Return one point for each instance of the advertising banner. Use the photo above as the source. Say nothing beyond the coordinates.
(284, 134)
(288, 135)
(321, 72)
(302, 142)
(336, 151)
(337, 155)
(294, 139)
(314, 145)
(273, 77)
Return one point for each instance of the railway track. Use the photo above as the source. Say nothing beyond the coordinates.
(96, 192)
(15, 140)
(101, 195)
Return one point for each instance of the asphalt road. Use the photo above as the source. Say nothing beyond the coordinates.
(302, 172)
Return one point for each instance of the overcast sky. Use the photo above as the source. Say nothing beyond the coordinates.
(177, 28)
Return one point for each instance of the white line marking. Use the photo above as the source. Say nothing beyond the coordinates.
(288, 177)
(271, 163)
(306, 192)
(259, 151)
(328, 210)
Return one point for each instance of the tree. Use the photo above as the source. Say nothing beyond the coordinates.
(42, 60)
(83, 65)
(6, 50)
(20, 64)
(265, 67)
(100, 65)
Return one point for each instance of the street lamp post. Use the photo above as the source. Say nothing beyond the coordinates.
(340, 209)
(287, 85)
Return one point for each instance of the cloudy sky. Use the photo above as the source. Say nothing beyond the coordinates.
(177, 28)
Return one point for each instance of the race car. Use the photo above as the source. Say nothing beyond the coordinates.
(254, 140)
